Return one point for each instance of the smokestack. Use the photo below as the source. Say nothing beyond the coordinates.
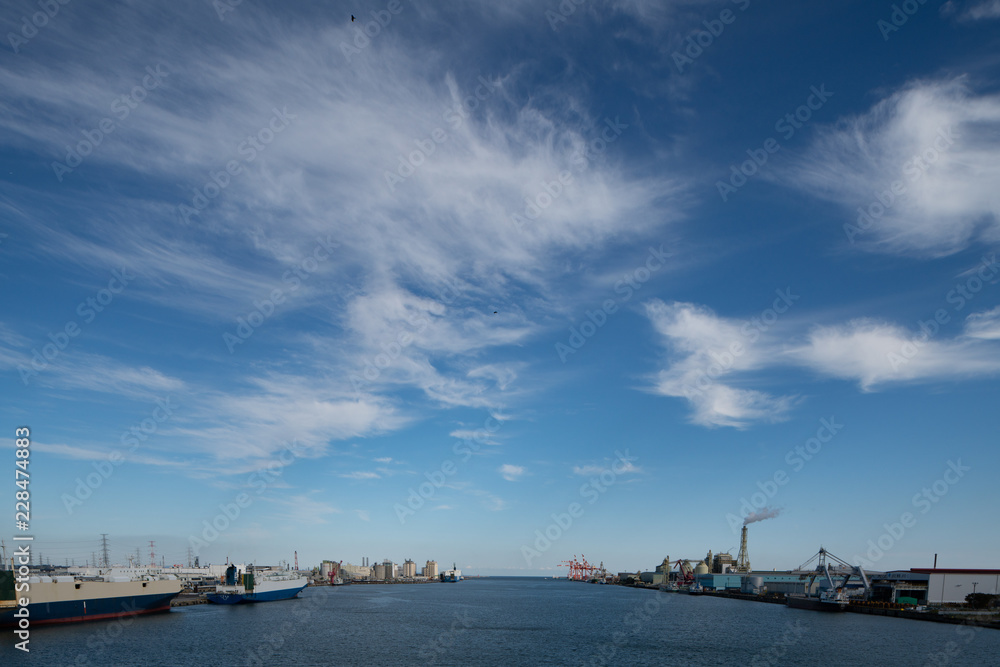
(935, 561)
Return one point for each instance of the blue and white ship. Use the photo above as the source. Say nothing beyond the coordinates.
(452, 575)
(253, 586)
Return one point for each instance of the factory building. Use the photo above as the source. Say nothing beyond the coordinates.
(722, 563)
(431, 569)
(360, 572)
(758, 583)
(951, 586)
(891, 586)
(409, 569)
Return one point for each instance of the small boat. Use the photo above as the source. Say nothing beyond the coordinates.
(241, 588)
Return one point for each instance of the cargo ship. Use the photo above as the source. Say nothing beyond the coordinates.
(73, 599)
(452, 575)
(253, 586)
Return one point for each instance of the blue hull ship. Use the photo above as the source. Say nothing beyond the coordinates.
(268, 588)
(65, 599)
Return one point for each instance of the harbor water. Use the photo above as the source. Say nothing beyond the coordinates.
(505, 621)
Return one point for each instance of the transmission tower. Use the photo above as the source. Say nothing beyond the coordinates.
(152, 554)
(106, 559)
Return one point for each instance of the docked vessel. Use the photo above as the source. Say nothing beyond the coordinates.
(829, 600)
(252, 586)
(72, 599)
(452, 575)
(835, 597)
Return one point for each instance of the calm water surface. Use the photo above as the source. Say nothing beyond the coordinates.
(505, 621)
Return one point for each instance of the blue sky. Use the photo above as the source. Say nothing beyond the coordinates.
(618, 272)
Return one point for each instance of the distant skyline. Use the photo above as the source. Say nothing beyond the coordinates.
(502, 284)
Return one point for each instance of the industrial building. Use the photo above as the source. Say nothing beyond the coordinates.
(952, 586)
(409, 569)
(431, 569)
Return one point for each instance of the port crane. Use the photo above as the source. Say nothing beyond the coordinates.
(579, 570)
(840, 567)
(685, 573)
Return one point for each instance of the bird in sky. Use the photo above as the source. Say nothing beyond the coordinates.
(352, 18)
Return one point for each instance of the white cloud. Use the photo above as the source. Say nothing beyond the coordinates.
(703, 369)
(701, 346)
(939, 142)
(510, 472)
(361, 475)
(984, 325)
(987, 9)
(875, 353)
(618, 467)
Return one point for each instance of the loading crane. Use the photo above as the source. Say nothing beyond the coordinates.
(841, 567)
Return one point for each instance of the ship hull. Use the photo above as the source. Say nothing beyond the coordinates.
(814, 604)
(93, 601)
(264, 592)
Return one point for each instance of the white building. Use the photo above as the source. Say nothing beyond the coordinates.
(944, 586)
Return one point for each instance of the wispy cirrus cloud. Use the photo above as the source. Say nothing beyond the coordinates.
(977, 10)
(938, 142)
(702, 368)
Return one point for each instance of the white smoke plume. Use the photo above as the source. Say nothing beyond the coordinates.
(765, 513)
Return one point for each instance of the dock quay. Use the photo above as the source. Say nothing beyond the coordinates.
(870, 608)
(187, 599)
